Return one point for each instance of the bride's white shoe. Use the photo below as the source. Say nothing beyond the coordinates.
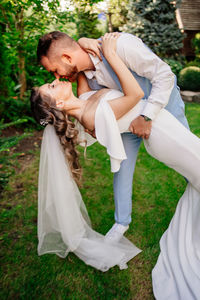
(116, 233)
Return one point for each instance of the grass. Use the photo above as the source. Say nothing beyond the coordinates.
(25, 275)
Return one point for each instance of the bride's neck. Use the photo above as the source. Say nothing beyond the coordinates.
(75, 107)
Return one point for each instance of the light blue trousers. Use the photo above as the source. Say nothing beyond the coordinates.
(123, 179)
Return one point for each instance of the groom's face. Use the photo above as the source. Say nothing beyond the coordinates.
(60, 65)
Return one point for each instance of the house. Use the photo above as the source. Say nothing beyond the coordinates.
(188, 18)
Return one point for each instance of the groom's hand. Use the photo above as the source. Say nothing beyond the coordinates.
(141, 127)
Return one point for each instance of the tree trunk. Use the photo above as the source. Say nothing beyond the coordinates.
(22, 75)
(21, 64)
(110, 27)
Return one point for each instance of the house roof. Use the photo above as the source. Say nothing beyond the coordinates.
(188, 15)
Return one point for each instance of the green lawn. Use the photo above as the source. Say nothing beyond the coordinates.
(25, 275)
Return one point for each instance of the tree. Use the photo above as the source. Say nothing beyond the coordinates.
(154, 22)
(117, 11)
(22, 22)
(86, 19)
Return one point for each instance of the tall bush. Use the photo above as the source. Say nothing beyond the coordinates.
(22, 23)
(189, 79)
(155, 23)
(86, 18)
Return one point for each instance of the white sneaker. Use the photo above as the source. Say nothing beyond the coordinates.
(116, 233)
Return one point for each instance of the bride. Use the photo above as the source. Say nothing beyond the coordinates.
(63, 223)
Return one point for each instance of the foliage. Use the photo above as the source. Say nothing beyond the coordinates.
(194, 63)
(154, 22)
(118, 10)
(179, 63)
(176, 66)
(7, 82)
(22, 23)
(196, 45)
(6, 143)
(12, 108)
(86, 19)
(189, 79)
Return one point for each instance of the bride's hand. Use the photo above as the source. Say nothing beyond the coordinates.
(91, 46)
(109, 44)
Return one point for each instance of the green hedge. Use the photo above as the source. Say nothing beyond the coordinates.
(193, 63)
(189, 79)
(176, 66)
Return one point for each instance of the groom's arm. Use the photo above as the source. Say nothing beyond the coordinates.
(139, 58)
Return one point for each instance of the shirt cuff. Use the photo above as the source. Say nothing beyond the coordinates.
(151, 110)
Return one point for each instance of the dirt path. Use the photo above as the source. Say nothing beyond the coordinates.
(25, 148)
(26, 144)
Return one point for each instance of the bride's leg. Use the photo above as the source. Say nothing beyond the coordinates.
(171, 143)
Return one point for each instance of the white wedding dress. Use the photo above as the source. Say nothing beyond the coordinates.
(63, 223)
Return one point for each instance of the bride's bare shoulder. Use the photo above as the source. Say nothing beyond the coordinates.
(88, 115)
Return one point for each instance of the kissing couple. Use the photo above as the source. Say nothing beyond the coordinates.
(126, 94)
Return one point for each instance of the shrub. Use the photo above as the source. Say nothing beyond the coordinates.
(189, 79)
(196, 44)
(12, 108)
(194, 63)
(155, 23)
(175, 65)
(6, 143)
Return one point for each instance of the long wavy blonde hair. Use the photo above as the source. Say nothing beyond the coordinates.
(44, 108)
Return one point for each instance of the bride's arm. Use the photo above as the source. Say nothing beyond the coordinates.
(82, 84)
(92, 46)
(131, 89)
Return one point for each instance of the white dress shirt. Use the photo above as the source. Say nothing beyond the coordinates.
(145, 63)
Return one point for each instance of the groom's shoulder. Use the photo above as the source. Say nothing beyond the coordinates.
(128, 44)
(128, 38)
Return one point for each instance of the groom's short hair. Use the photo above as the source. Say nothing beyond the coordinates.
(48, 39)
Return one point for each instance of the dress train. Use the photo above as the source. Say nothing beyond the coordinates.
(176, 274)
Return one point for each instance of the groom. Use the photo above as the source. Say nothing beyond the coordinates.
(63, 56)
